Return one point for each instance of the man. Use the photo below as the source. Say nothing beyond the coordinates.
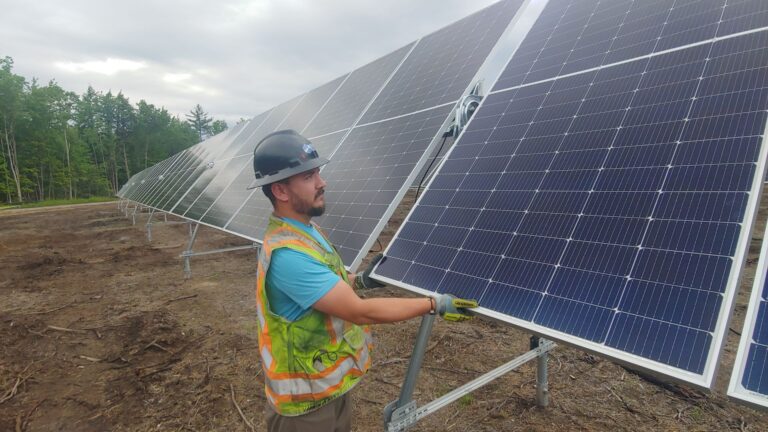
(313, 339)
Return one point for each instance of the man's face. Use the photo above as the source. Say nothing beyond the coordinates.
(306, 192)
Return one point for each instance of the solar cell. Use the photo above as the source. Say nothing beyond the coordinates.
(749, 380)
(609, 209)
(440, 67)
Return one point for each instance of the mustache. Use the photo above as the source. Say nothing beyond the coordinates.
(320, 193)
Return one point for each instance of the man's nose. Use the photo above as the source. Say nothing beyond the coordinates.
(321, 183)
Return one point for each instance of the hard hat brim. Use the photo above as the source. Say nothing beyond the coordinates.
(284, 174)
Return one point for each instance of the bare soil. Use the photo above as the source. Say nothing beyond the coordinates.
(100, 331)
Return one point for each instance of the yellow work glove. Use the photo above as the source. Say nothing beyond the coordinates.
(454, 309)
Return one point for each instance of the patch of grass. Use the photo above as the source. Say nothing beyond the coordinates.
(466, 400)
(57, 202)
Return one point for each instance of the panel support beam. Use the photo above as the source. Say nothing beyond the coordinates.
(149, 225)
(189, 253)
(403, 412)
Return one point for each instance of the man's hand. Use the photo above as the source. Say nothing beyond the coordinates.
(454, 309)
(363, 280)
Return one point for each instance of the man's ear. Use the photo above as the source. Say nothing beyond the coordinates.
(280, 191)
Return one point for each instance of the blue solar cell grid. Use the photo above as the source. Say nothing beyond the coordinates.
(606, 206)
(576, 35)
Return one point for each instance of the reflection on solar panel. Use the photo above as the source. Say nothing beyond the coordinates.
(222, 209)
(346, 105)
(749, 380)
(212, 169)
(251, 219)
(310, 105)
(610, 208)
(442, 64)
(211, 150)
(370, 171)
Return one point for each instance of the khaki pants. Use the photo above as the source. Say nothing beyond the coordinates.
(336, 416)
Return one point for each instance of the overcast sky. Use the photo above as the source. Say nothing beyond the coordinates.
(235, 58)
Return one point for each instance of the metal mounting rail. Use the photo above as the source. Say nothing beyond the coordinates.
(403, 412)
(189, 253)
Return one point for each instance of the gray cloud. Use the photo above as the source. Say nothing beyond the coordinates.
(235, 58)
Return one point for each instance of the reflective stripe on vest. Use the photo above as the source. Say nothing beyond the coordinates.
(317, 358)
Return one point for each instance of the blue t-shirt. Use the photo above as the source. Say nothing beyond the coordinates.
(295, 280)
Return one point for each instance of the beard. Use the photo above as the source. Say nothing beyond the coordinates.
(309, 209)
(316, 211)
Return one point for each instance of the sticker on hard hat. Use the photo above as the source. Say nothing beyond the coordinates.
(308, 149)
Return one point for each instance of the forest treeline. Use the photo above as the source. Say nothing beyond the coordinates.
(57, 144)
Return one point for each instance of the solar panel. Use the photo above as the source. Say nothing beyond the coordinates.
(155, 177)
(176, 180)
(310, 105)
(373, 166)
(132, 184)
(609, 209)
(369, 172)
(211, 149)
(442, 64)
(213, 168)
(576, 35)
(346, 105)
(749, 380)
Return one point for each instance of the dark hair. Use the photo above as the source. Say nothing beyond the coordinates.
(267, 189)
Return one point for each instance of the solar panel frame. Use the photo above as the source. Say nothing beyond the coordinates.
(704, 380)
(754, 321)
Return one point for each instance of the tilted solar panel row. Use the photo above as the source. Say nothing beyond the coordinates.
(603, 194)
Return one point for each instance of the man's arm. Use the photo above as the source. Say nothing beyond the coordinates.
(342, 302)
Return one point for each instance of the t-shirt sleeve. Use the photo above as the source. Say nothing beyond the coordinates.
(300, 277)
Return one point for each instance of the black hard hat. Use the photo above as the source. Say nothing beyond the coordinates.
(282, 154)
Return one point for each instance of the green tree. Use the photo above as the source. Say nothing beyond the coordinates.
(218, 126)
(11, 99)
(57, 144)
(200, 122)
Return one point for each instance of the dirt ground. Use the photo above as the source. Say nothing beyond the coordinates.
(100, 331)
